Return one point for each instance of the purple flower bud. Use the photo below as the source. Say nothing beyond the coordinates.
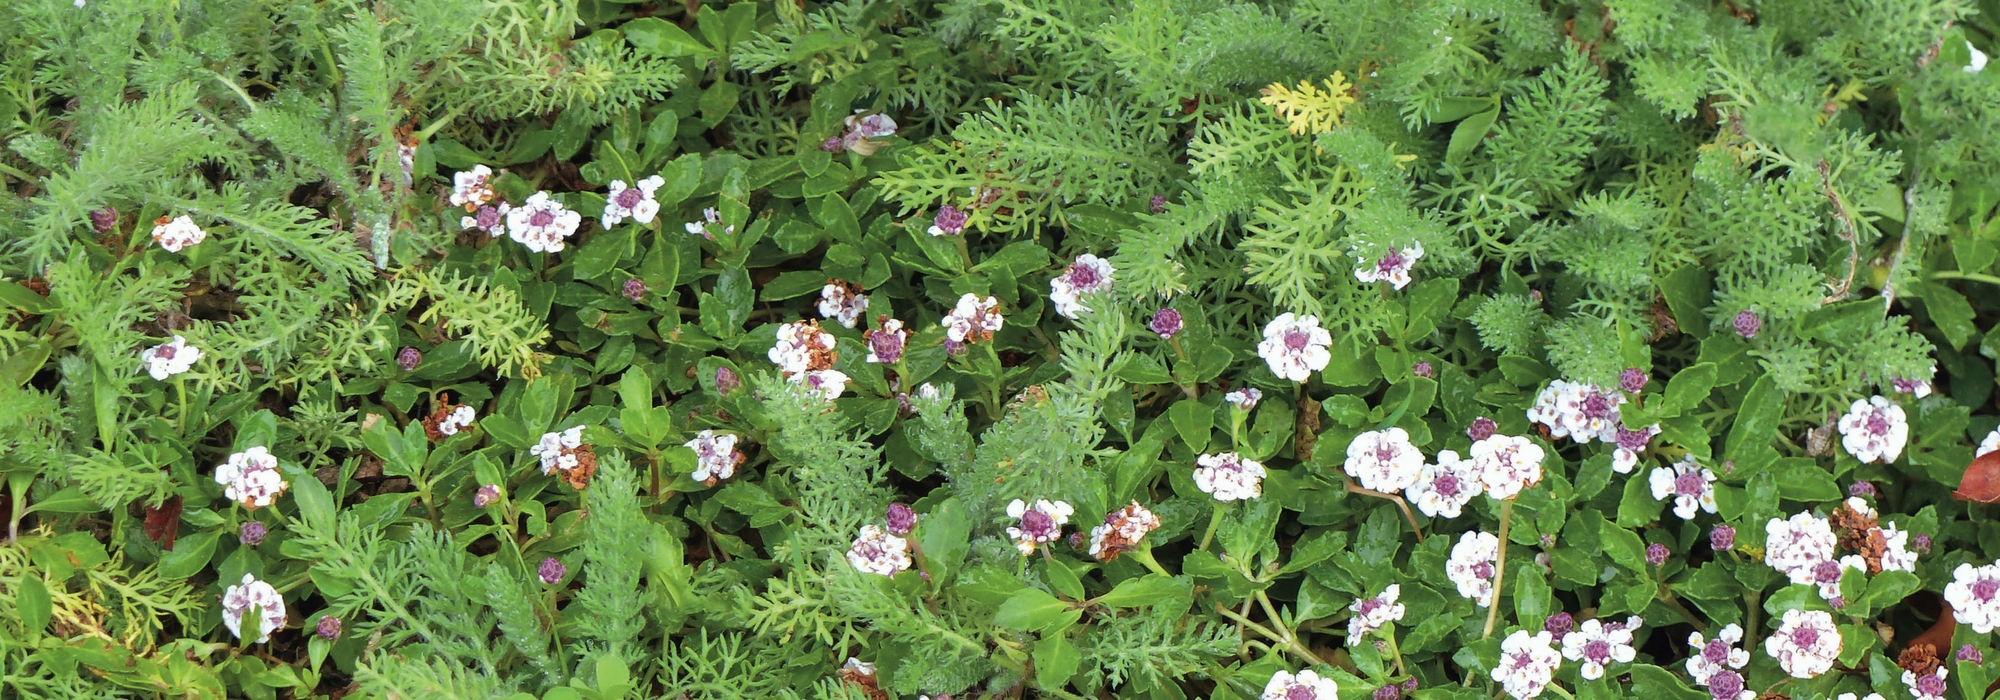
(252, 533)
(328, 628)
(1482, 428)
(1388, 692)
(1632, 380)
(953, 347)
(901, 519)
(1159, 203)
(104, 220)
(1838, 602)
(949, 221)
(1559, 624)
(409, 358)
(1923, 544)
(552, 571)
(1725, 685)
(832, 144)
(726, 380)
(635, 289)
(1167, 323)
(1656, 554)
(1535, 295)
(1722, 538)
(1968, 653)
(1410, 686)
(1747, 323)
(1423, 369)
(486, 496)
(1861, 488)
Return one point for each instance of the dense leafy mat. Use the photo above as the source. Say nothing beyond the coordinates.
(999, 348)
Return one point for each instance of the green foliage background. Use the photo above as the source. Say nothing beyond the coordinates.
(1596, 186)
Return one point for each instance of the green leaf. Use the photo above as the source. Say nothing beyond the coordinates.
(1655, 683)
(662, 38)
(752, 500)
(1467, 135)
(1056, 659)
(32, 602)
(1952, 314)
(508, 431)
(947, 537)
(316, 506)
(1143, 591)
(1061, 578)
(189, 555)
(1531, 597)
(1689, 388)
(68, 500)
(1141, 368)
(1687, 293)
(1033, 610)
(1194, 421)
(1637, 507)
(1624, 546)
(1889, 588)
(1756, 424)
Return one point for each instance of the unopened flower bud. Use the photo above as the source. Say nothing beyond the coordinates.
(726, 380)
(1632, 380)
(1747, 323)
(1970, 654)
(1861, 488)
(635, 289)
(1559, 625)
(409, 358)
(486, 496)
(1159, 204)
(1167, 323)
(104, 220)
(1410, 686)
(901, 519)
(1656, 554)
(252, 533)
(1722, 538)
(1482, 428)
(1423, 369)
(1388, 692)
(1923, 544)
(552, 571)
(328, 628)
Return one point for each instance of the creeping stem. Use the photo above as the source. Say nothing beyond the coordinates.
(1499, 567)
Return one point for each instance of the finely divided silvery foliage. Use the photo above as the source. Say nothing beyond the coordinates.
(998, 348)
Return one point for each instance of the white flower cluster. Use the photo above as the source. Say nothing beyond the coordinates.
(1690, 485)
(169, 359)
(1372, 614)
(635, 202)
(177, 233)
(1393, 267)
(827, 384)
(842, 302)
(1874, 430)
(1122, 530)
(251, 478)
(715, 457)
(1796, 546)
(460, 418)
(1579, 411)
(1598, 645)
(1247, 398)
(1527, 664)
(709, 217)
(1713, 656)
(1384, 460)
(1974, 595)
(1295, 347)
(1039, 524)
(973, 320)
(1471, 566)
(1229, 476)
(1929, 686)
(878, 552)
(1803, 547)
(1088, 274)
(542, 224)
(471, 188)
(238, 600)
(802, 347)
(558, 450)
(1805, 643)
(1444, 488)
(1507, 465)
(1307, 685)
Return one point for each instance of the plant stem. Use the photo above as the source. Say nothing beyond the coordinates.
(1405, 505)
(1145, 556)
(1214, 521)
(1499, 567)
(1291, 645)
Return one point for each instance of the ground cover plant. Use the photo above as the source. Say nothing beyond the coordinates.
(1294, 350)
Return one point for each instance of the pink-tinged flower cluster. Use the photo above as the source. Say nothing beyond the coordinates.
(1507, 465)
(251, 478)
(1629, 444)
(635, 202)
(1874, 430)
(237, 601)
(1372, 614)
(842, 302)
(1527, 664)
(1795, 546)
(1038, 524)
(177, 233)
(827, 384)
(1805, 643)
(715, 457)
(885, 345)
(1445, 487)
(1295, 347)
(973, 320)
(1088, 274)
(1229, 476)
(1307, 685)
(1384, 460)
(1598, 645)
(1393, 267)
(542, 224)
(1246, 398)
(1471, 566)
(1122, 530)
(802, 347)
(1581, 412)
(171, 358)
(559, 451)
(472, 188)
(879, 552)
(950, 221)
(1691, 486)
(1713, 656)
(1929, 686)
(1974, 595)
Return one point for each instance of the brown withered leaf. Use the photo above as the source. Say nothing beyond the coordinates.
(1982, 480)
(163, 524)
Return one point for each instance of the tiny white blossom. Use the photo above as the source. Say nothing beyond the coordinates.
(1974, 595)
(1471, 566)
(1371, 614)
(708, 216)
(1930, 686)
(1874, 430)
(1229, 476)
(842, 303)
(1598, 645)
(1975, 64)
(1712, 656)
(1896, 554)
(1507, 465)
(1088, 274)
(238, 600)
(1850, 696)
(828, 384)
(1039, 524)
(1989, 444)
(491, 218)
(1527, 664)
(1384, 460)
(1393, 267)
(1690, 485)
(557, 450)
(1122, 530)
(177, 233)
(801, 347)
(1444, 488)
(1579, 411)
(251, 478)
(715, 457)
(973, 320)
(471, 188)
(1246, 398)
(170, 358)
(1295, 347)
(1307, 685)
(459, 419)
(542, 224)
(1797, 545)
(1630, 443)
(635, 202)
(1805, 643)
(1826, 575)
(878, 552)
